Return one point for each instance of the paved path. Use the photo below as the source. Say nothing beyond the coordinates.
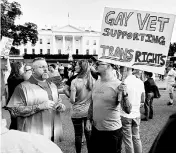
(148, 130)
(161, 84)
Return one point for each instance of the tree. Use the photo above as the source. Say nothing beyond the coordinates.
(21, 34)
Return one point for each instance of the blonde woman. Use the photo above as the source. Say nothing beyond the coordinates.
(80, 97)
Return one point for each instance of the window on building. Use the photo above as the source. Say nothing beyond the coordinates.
(77, 51)
(41, 51)
(94, 51)
(87, 52)
(40, 41)
(94, 43)
(33, 51)
(25, 51)
(87, 42)
(48, 51)
(48, 41)
(59, 51)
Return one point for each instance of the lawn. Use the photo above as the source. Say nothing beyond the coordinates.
(148, 130)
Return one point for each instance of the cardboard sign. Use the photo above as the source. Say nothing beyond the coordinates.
(136, 39)
(6, 44)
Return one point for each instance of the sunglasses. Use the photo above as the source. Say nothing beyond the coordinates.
(38, 58)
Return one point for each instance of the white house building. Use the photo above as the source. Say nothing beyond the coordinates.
(64, 40)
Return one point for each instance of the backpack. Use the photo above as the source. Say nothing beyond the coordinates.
(156, 91)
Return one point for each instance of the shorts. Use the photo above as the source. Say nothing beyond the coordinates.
(170, 88)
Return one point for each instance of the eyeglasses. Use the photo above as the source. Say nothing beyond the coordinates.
(38, 58)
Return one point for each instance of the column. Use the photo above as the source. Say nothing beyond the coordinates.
(82, 45)
(54, 45)
(73, 51)
(63, 46)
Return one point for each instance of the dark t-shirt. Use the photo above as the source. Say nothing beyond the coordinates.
(148, 84)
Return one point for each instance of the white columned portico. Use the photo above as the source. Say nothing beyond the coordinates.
(63, 47)
(73, 51)
(54, 44)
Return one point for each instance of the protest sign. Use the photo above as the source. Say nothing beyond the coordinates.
(6, 44)
(136, 39)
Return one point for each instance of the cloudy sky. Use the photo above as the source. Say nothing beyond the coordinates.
(85, 13)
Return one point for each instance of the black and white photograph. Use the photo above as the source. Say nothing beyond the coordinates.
(88, 76)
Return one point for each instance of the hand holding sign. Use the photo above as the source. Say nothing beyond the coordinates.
(136, 39)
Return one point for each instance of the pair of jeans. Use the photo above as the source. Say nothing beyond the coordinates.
(131, 136)
(80, 127)
(148, 106)
(105, 141)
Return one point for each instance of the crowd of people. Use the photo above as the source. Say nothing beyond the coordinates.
(30, 98)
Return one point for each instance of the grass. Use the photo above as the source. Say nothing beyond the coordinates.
(148, 129)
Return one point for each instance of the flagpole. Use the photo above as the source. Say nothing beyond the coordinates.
(68, 19)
